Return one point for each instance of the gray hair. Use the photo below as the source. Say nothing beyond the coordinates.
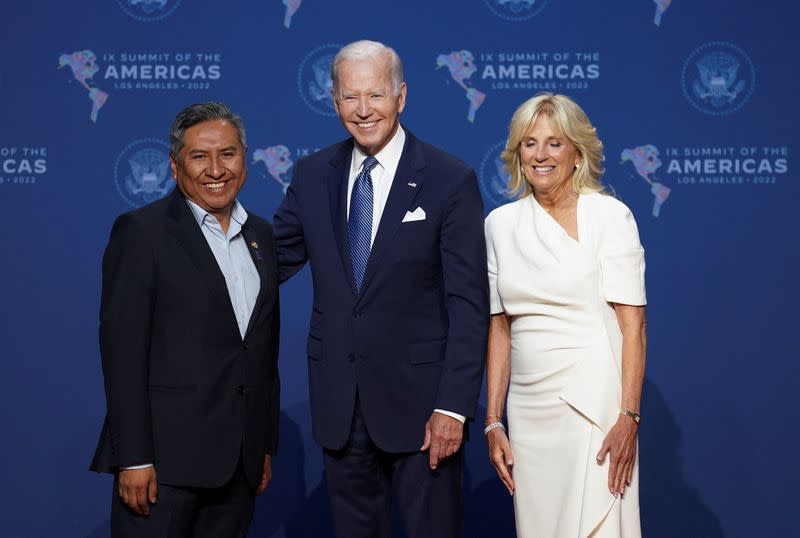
(198, 113)
(367, 50)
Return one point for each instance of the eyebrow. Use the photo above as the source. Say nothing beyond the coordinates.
(559, 138)
(226, 148)
(373, 91)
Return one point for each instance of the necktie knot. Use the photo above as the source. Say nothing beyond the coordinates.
(370, 163)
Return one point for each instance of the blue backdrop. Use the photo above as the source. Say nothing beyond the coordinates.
(694, 100)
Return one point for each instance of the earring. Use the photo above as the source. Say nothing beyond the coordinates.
(577, 165)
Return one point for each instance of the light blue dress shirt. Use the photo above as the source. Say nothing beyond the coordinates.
(233, 258)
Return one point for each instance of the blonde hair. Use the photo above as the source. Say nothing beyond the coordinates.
(571, 121)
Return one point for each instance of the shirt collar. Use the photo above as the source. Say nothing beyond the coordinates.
(238, 214)
(388, 157)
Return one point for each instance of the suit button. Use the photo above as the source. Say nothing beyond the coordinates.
(357, 314)
(351, 357)
(240, 389)
(245, 345)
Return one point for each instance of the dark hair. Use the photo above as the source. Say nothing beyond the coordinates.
(198, 113)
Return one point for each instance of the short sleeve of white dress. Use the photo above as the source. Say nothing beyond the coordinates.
(621, 256)
(495, 304)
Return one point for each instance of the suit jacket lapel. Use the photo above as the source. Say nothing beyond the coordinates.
(257, 254)
(337, 179)
(401, 196)
(183, 226)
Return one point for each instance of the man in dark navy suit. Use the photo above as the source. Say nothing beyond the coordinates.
(189, 344)
(393, 230)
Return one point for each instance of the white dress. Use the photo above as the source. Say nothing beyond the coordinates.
(565, 387)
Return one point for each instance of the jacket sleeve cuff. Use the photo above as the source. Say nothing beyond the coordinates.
(129, 467)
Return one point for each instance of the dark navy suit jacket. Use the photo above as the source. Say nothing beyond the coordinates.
(414, 338)
(184, 390)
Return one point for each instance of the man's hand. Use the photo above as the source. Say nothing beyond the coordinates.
(266, 475)
(137, 487)
(443, 436)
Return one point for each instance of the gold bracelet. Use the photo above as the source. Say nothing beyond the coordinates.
(628, 413)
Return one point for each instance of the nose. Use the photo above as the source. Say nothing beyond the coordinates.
(215, 169)
(363, 109)
(541, 153)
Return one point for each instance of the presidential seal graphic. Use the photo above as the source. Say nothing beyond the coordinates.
(516, 10)
(461, 65)
(718, 78)
(278, 161)
(83, 65)
(149, 10)
(493, 178)
(141, 172)
(645, 160)
(314, 79)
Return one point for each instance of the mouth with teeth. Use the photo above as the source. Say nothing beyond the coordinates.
(543, 169)
(366, 124)
(216, 186)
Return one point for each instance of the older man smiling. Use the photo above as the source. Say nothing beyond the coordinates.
(392, 229)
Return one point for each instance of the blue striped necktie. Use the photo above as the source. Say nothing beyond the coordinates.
(359, 225)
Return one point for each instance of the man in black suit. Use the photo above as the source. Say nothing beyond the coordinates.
(393, 230)
(189, 325)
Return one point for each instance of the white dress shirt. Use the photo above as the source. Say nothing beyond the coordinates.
(382, 177)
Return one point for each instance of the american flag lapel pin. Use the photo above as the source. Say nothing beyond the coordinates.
(412, 184)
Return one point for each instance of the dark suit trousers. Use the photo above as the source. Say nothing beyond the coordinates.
(223, 512)
(362, 480)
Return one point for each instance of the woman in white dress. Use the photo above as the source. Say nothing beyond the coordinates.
(567, 337)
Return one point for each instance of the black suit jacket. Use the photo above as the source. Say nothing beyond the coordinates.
(183, 389)
(413, 339)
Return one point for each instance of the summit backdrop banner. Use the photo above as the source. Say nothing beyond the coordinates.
(695, 101)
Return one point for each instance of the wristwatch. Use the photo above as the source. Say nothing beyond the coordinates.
(628, 413)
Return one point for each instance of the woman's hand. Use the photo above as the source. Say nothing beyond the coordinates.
(501, 457)
(620, 443)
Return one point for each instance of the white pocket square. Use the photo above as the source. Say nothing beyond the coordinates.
(412, 216)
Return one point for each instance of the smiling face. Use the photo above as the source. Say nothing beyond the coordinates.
(547, 157)
(366, 102)
(210, 168)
